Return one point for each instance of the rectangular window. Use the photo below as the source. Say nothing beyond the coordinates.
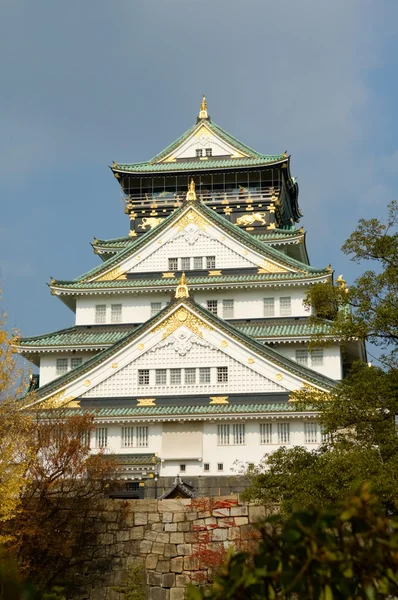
(220, 467)
(222, 374)
(269, 307)
(266, 433)
(325, 436)
(127, 437)
(210, 262)
(206, 467)
(100, 313)
(285, 306)
(209, 151)
(143, 376)
(199, 152)
(75, 362)
(190, 376)
(198, 262)
(182, 468)
(185, 263)
(62, 366)
(101, 437)
(161, 376)
(283, 433)
(212, 306)
(204, 375)
(175, 376)
(223, 435)
(116, 313)
(85, 439)
(239, 434)
(142, 437)
(228, 309)
(155, 308)
(302, 357)
(317, 357)
(173, 264)
(311, 433)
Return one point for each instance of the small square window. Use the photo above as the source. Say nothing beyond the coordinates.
(175, 376)
(199, 152)
(206, 467)
(204, 375)
(62, 366)
(212, 306)
(210, 262)
(182, 468)
(76, 362)
(285, 303)
(302, 357)
(185, 263)
(143, 377)
(220, 467)
(161, 376)
(269, 307)
(198, 262)
(116, 313)
(228, 309)
(173, 264)
(190, 376)
(209, 151)
(155, 308)
(222, 374)
(100, 313)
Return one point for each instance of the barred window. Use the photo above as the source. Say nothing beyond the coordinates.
(220, 467)
(199, 152)
(127, 437)
(210, 262)
(175, 376)
(283, 433)
(143, 376)
(317, 357)
(239, 434)
(212, 306)
(185, 263)
(155, 308)
(173, 264)
(228, 309)
(142, 437)
(204, 375)
(285, 303)
(223, 435)
(62, 366)
(209, 151)
(310, 433)
(222, 374)
(206, 466)
(302, 357)
(269, 307)
(85, 438)
(161, 376)
(325, 436)
(101, 437)
(100, 313)
(266, 433)
(198, 262)
(116, 313)
(75, 362)
(182, 468)
(190, 375)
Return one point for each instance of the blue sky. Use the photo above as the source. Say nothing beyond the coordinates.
(85, 83)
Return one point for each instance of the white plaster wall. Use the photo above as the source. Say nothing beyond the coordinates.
(135, 308)
(115, 439)
(48, 362)
(332, 359)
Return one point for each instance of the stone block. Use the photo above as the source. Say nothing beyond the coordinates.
(105, 539)
(170, 527)
(120, 577)
(234, 533)
(153, 517)
(221, 512)
(157, 526)
(225, 523)
(191, 563)
(145, 505)
(137, 533)
(191, 537)
(163, 537)
(158, 548)
(178, 517)
(171, 506)
(185, 526)
(151, 535)
(167, 517)
(191, 516)
(176, 538)
(182, 580)
(256, 513)
(163, 566)
(239, 521)
(122, 536)
(98, 593)
(154, 579)
(177, 593)
(184, 549)
(170, 550)
(151, 561)
(219, 535)
(210, 521)
(140, 518)
(145, 547)
(239, 511)
(248, 532)
(177, 565)
(168, 580)
(199, 523)
(157, 593)
(203, 514)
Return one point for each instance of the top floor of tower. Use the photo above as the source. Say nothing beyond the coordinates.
(252, 190)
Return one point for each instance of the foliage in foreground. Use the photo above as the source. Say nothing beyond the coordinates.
(345, 552)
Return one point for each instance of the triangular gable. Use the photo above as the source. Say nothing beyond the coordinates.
(179, 330)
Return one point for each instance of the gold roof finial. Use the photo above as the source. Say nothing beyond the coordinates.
(182, 288)
(191, 194)
(342, 283)
(203, 109)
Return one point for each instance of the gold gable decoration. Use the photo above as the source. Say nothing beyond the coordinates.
(269, 267)
(191, 194)
(115, 274)
(191, 217)
(180, 317)
(58, 400)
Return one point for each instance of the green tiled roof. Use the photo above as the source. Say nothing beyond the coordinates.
(196, 165)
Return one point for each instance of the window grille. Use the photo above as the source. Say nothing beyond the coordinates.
(182, 468)
(85, 438)
(155, 308)
(204, 375)
(190, 376)
(239, 434)
(116, 313)
(185, 263)
(160, 376)
(220, 467)
(175, 376)
(283, 433)
(285, 303)
(209, 151)
(212, 306)
(143, 377)
(302, 357)
(210, 262)
(206, 467)
(222, 374)
(62, 366)
(266, 433)
(325, 436)
(223, 435)
(269, 307)
(228, 309)
(198, 262)
(311, 433)
(142, 437)
(101, 437)
(173, 264)
(75, 362)
(132, 486)
(127, 437)
(199, 152)
(317, 357)
(100, 313)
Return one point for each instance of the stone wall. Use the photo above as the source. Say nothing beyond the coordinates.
(173, 542)
(203, 486)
